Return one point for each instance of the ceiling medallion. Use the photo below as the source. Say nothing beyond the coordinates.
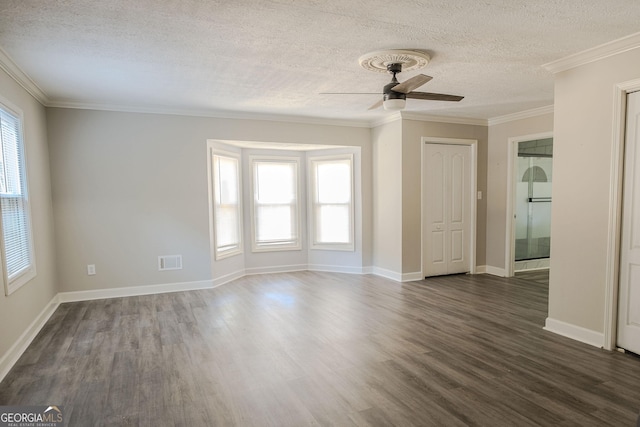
(410, 59)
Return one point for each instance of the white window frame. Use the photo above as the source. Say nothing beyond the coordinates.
(20, 278)
(294, 244)
(222, 253)
(313, 203)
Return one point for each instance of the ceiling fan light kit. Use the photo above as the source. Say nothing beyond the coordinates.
(394, 104)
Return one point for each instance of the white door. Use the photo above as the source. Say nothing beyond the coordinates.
(447, 191)
(629, 289)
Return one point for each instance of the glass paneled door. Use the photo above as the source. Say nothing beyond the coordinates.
(533, 200)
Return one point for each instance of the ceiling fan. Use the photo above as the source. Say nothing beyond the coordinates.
(395, 94)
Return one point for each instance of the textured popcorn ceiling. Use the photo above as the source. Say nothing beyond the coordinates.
(276, 57)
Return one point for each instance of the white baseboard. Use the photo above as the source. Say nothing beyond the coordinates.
(133, 291)
(495, 271)
(395, 276)
(222, 280)
(481, 269)
(275, 269)
(338, 269)
(574, 332)
(412, 277)
(388, 274)
(13, 354)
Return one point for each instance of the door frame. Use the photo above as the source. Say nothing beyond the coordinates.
(473, 191)
(510, 234)
(614, 237)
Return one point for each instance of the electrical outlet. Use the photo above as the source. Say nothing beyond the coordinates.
(91, 269)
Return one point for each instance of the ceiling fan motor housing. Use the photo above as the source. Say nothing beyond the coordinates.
(390, 94)
(393, 68)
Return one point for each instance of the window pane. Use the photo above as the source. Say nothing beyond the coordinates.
(275, 204)
(333, 202)
(228, 178)
(227, 227)
(14, 204)
(227, 212)
(275, 182)
(333, 225)
(334, 182)
(274, 224)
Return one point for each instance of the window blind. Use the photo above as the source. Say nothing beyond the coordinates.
(227, 210)
(276, 204)
(332, 200)
(13, 199)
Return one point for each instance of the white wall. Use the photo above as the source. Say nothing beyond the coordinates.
(129, 187)
(387, 201)
(582, 165)
(20, 309)
(397, 192)
(412, 133)
(497, 179)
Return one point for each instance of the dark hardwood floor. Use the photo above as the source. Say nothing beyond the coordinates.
(325, 349)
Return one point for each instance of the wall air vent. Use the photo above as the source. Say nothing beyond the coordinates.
(169, 262)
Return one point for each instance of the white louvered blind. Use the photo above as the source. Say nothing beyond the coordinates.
(227, 211)
(275, 202)
(18, 254)
(332, 200)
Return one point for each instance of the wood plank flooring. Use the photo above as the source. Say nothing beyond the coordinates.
(325, 349)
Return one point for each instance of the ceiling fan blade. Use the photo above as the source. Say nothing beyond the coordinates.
(411, 84)
(376, 105)
(350, 93)
(434, 96)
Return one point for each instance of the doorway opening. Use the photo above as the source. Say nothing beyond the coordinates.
(528, 242)
(533, 204)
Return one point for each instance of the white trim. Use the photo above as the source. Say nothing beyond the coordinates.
(211, 168)
(574, 332)
(28, 274)
(481, 269)
(20, 346)
(510, 211)
(473, 146)
(296, 243)
(312, 189)
(527, 114)
(223, 280)
(495, 271)
(386, 120)
(594, 54)
(412, 277)
(75, 296)
(412, 115)
(620, 92)
(275, 269)
(216, 114)
(388, 274)
(20, 77)
(338, 269)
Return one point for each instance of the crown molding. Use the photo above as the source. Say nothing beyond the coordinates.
(386, 120)
(594, 54)
(217, 114)
(535, 112)
(410, 115)
(11, 68)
